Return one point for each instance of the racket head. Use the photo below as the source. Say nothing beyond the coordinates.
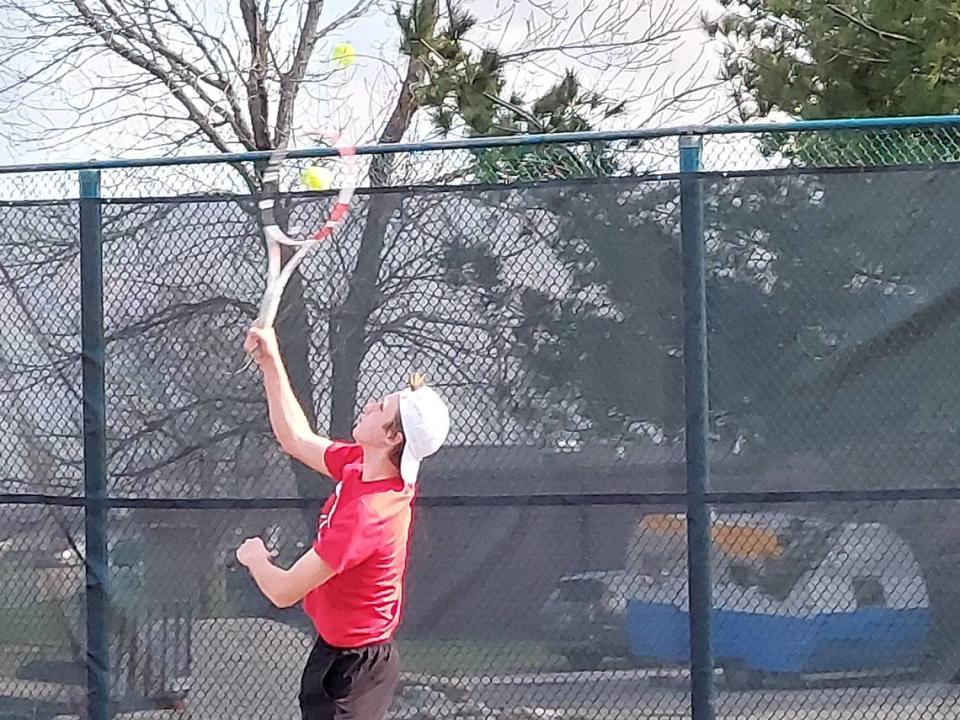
(275, 237)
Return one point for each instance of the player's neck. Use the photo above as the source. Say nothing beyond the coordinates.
(377, 465)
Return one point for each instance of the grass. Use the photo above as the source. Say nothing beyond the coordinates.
(30, 633)
(34, 631)
(38, 624)
(456, 657)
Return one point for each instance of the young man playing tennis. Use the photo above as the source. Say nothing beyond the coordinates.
(351, 580)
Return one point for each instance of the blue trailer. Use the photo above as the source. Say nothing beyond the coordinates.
(791, 596)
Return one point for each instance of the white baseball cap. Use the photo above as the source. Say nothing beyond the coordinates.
(426, 422)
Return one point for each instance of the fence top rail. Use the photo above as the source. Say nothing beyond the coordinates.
(800, 126)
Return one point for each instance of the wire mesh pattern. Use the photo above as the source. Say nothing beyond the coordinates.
(856, 147)
(531, 632)
(541, 288)
(726, 149)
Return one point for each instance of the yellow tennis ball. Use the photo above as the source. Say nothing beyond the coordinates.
(344, 54)
(317, 178)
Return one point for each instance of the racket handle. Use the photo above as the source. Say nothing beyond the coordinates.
(269, 305)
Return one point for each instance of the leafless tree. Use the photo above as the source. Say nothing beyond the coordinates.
(169, 76)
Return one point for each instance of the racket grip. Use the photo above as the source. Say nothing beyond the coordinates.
(269, 305)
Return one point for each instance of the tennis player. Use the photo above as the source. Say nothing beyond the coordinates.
(351, 580)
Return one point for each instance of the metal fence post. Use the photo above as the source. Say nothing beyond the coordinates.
(94, 445)
(696, 402)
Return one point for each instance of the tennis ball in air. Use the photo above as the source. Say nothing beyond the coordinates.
(344, 54)
(316, 178)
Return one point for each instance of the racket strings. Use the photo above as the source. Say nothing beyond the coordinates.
(278, 273)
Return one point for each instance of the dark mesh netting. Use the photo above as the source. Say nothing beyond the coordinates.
(39, 351)
(548, 570)
(549, 316)
(832, 306)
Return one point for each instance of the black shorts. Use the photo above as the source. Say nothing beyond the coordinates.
(349, 683)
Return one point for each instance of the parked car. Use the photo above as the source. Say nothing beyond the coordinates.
(793, 596)
(584, 618)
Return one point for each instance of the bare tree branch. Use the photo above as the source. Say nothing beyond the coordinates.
(257, 95)
(291, 78)
(883, 34)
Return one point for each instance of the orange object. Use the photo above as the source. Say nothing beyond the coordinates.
(739, 540)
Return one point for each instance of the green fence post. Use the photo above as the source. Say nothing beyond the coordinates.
(94, 445)
(696, 401)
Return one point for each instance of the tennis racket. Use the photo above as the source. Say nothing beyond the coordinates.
(278, 272)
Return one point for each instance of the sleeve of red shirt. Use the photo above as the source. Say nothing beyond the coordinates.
(339, 455)
(349, 540)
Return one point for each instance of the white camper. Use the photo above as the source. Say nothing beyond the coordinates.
(790, 595)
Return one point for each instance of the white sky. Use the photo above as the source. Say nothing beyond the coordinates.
(366, 86)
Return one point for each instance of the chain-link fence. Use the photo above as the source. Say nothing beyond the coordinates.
(551, 289)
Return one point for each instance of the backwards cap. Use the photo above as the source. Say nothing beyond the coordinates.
(426, 422)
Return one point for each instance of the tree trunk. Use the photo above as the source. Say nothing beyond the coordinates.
(346, 358)
(348, 323)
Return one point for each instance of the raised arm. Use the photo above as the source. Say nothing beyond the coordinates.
(289, 423)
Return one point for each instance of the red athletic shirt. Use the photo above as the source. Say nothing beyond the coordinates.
(362, 534)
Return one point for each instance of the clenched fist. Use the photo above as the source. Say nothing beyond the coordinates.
(252, 551)
(261, 343)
